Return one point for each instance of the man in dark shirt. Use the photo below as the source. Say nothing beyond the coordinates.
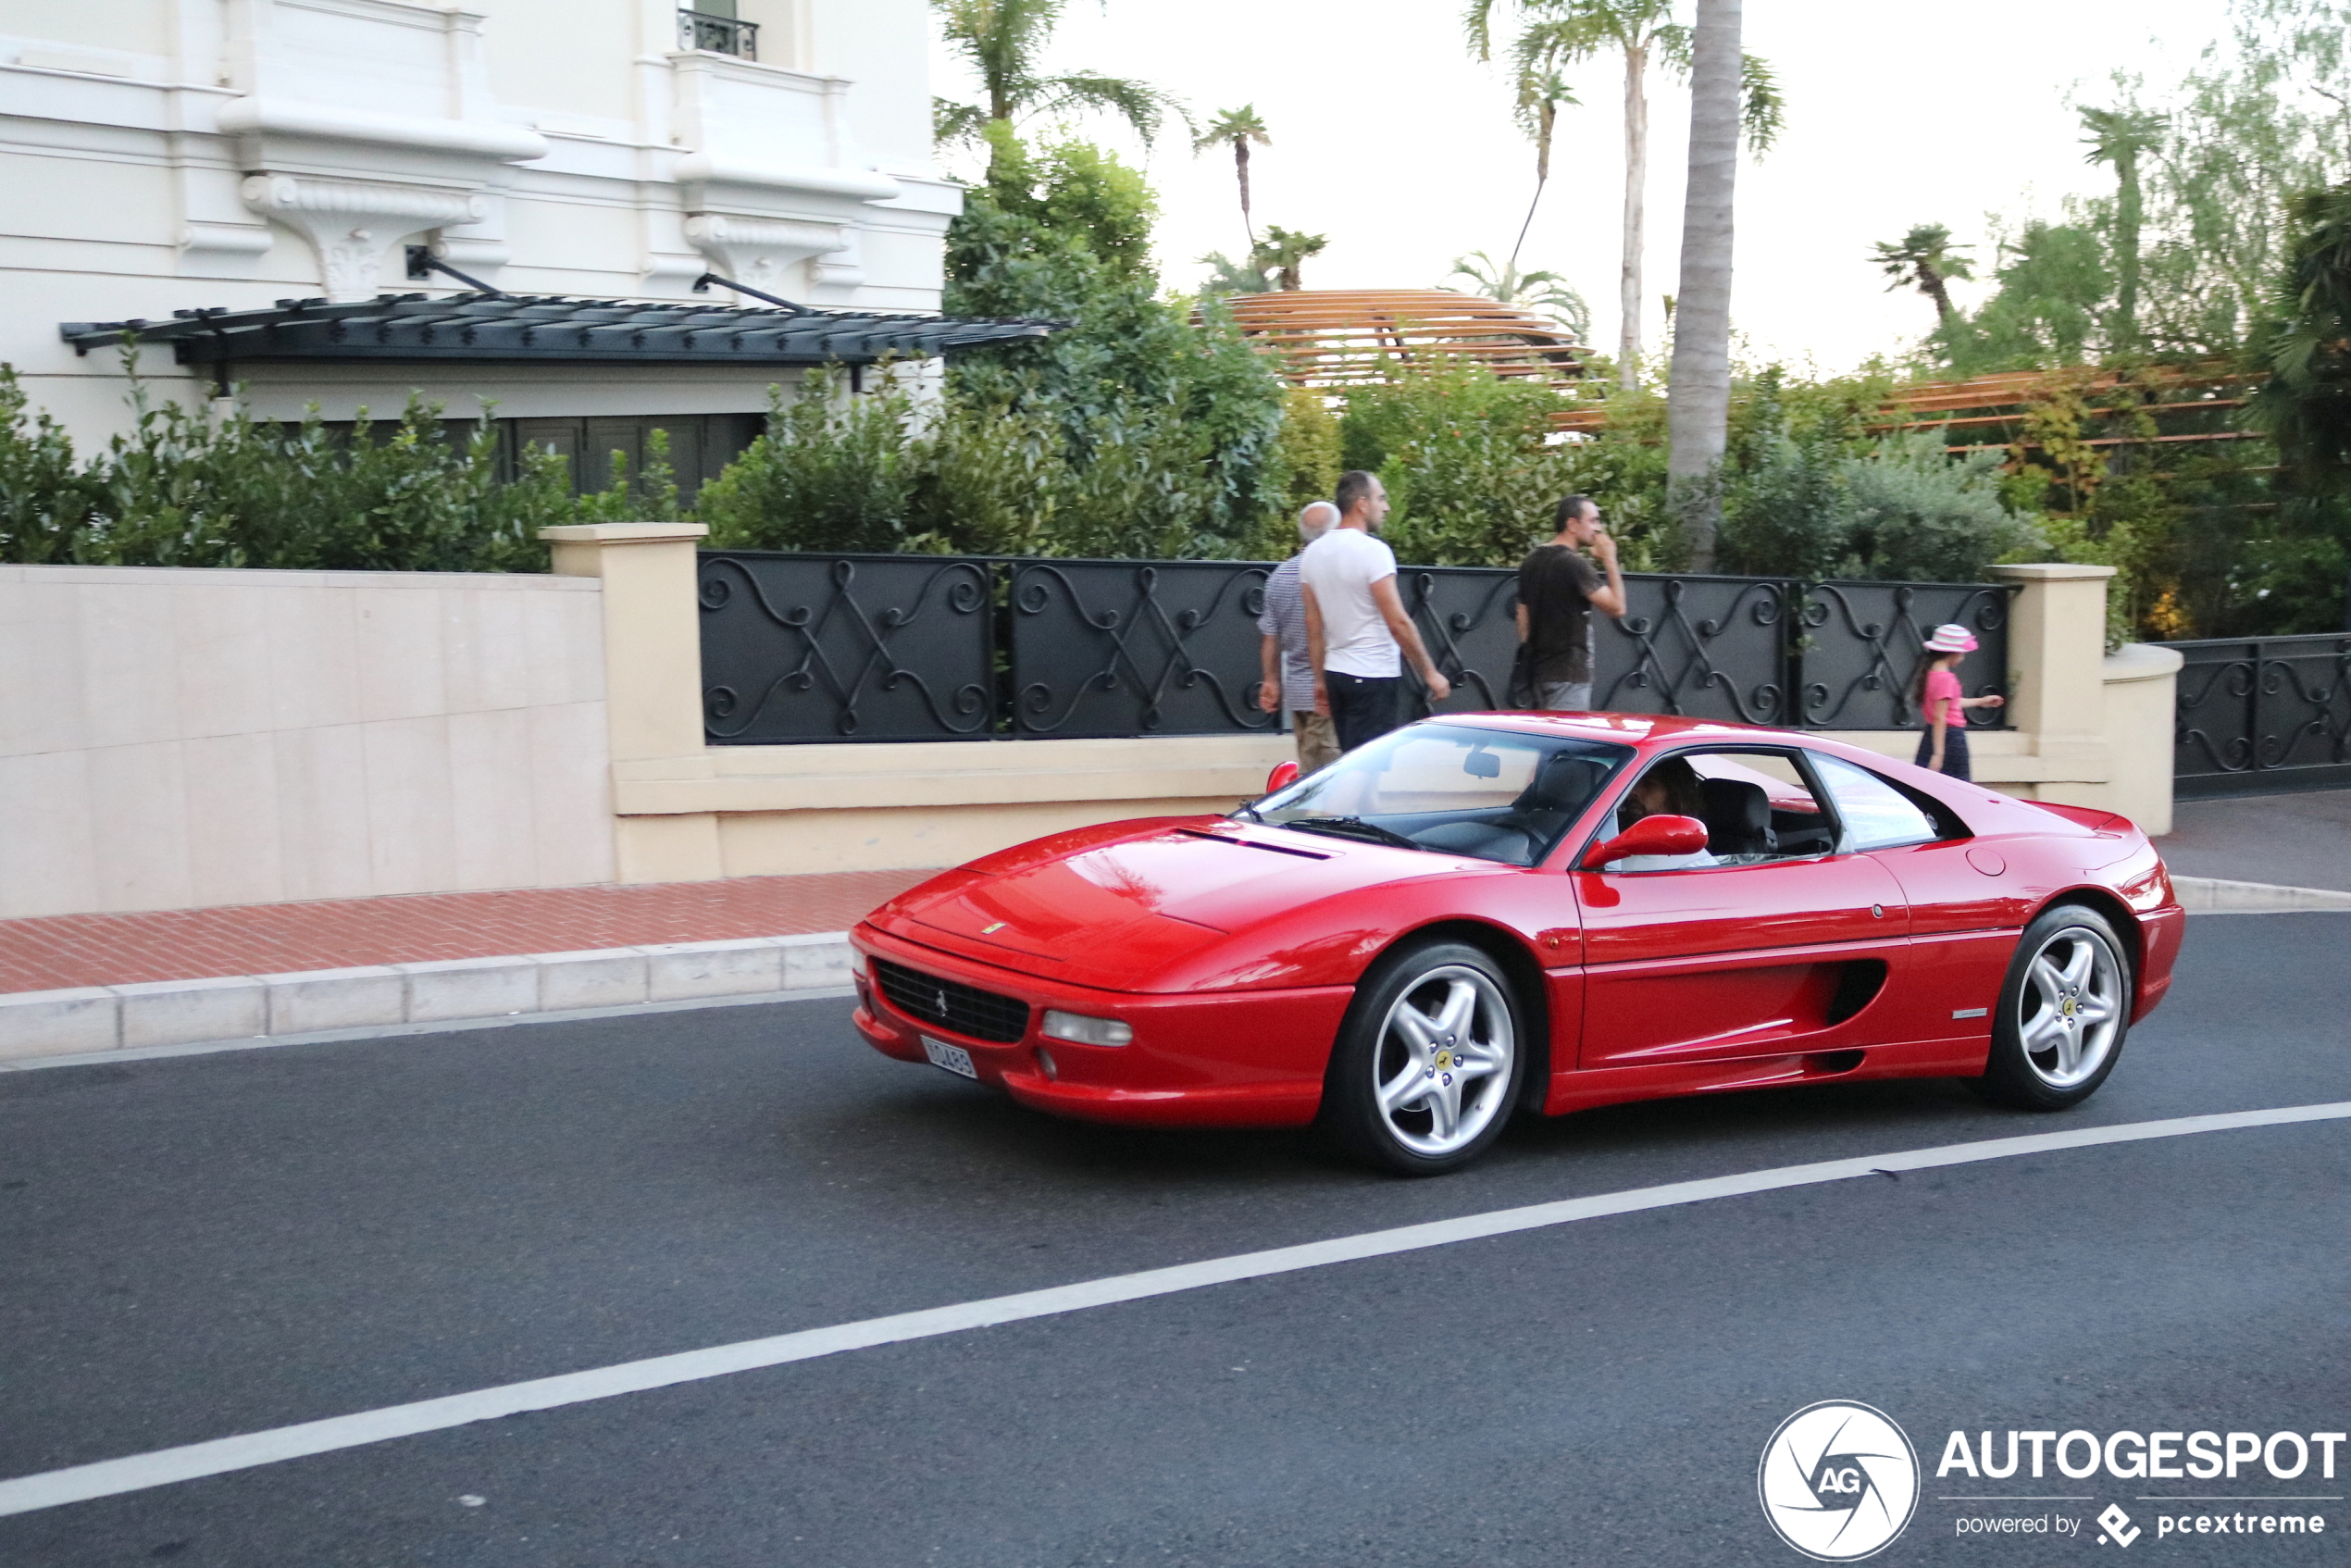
(1558, 591)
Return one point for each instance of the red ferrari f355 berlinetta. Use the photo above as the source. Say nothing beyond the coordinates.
(1485, 914)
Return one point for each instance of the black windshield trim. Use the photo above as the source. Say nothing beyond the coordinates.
(1353, 827)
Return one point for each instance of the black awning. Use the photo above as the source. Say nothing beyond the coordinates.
(482, 327)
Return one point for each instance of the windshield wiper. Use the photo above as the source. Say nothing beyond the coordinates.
(1350, 827)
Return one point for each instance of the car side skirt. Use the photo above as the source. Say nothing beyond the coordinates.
(1592, 1087)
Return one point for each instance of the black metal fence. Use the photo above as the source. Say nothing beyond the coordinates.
(801, 648)
(2262, 713)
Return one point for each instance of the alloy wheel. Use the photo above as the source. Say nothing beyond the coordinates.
(1443, 1065)
(2071, 1009)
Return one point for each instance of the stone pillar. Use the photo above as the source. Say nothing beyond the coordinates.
(2142, 690)
(652, 680)
(2057, 673)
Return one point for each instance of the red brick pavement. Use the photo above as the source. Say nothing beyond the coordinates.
(185, 944)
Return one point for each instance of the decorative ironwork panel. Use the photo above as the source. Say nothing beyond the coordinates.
(847, 647)
(808, 648)
(1104, 648)
(2266, 713)
(1465, 619)
(1702, 647)
(1863, 645)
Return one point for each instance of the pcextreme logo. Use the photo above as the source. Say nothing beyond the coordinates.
(1839, 1481)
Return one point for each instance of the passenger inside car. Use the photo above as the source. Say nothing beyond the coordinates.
(1671, 789)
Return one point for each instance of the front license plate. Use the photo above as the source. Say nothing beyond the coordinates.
(954, 1058)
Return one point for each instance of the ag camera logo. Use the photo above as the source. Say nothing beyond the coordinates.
(1839, 1481)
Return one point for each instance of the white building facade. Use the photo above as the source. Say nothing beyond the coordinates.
(235, 157)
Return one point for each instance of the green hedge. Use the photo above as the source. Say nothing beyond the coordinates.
(188, 488)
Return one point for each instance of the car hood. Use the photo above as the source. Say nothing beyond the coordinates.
(1114, 912)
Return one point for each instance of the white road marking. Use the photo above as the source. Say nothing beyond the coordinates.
(165, 1466)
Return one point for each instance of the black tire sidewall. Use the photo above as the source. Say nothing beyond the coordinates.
(1351, 1110)
(2009, 1078)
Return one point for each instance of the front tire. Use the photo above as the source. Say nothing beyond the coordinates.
(2064, 1010)
(1427, 1065)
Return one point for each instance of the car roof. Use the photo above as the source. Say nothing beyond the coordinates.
(1982, 809)
(1645, 731)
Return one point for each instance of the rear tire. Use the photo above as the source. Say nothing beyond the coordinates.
(1427, 1065)
(2064, 1010)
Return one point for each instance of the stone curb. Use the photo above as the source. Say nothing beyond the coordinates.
(170, 1013)
(2206, 895)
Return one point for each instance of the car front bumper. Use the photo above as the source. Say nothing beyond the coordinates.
(1218, 1059)
(2160, 933)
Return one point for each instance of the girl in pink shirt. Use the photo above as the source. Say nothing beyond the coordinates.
(1943, 747)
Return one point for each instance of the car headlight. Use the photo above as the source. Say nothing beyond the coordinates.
(1086, 1031)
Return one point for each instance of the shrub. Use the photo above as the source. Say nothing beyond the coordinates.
(1310, 449)
(830, 472)
(1905, 511)
(183, 488)
(1785, 516)
(992, 483)
(43, 504)
(1912, 513)
(1059, 234)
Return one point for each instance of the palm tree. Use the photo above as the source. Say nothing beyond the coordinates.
(2306, 403)
(1004, 41)
(1227, 276)
(1925, 259)
(1545, 293)
(2119, 137)
(1698, 394)
(1239, 127)
(1540, 93)
(1564, 33)
(1281, 251)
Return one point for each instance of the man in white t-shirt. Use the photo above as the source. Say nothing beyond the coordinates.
(1355, 619)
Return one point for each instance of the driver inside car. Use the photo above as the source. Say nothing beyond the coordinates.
(1669, 789)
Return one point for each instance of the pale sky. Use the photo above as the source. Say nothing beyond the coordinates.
(1388, 138)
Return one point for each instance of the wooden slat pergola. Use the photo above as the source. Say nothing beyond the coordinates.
(1342, 337)
(2190, 404)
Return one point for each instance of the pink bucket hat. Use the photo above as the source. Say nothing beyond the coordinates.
(1951, 638)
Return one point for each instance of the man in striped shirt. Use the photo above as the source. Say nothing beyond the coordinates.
(1288, 680)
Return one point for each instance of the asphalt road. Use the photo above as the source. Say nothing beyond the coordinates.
(2299, 838)
(196, 1247)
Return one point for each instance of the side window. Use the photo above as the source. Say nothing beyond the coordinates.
(1756, 806)
(1876, 816)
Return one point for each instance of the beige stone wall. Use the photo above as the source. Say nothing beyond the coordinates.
(777, 809)
(2141, 683)
(178, 739)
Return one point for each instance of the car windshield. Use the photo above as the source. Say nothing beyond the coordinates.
(1452, 788)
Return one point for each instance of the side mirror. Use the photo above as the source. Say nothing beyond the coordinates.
(1285, 773)
(1650, 835)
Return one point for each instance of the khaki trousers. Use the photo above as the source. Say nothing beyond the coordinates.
(1317, 741)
